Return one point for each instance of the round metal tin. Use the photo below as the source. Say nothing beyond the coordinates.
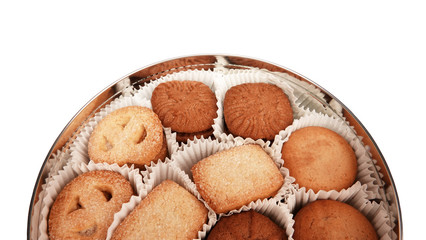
(205, 62)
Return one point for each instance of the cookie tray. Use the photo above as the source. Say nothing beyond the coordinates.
(310, 97)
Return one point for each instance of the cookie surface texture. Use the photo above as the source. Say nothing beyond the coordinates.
(185, 106)
(329, 219)
(257, 110)
(246, 225)
(129, 135)
(85, 207)
(232, 178)
(320, 159)
(169, 211)
(183, 137)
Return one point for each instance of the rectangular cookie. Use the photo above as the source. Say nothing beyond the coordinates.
(230, 179)
(168, 212)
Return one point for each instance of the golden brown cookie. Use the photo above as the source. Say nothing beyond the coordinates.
(257, 110)
(320, 159)
(246, 225)
(161, 155)
(185, 106)
(329, 219)
(168, 212)
(129, 135)
(85, 207)
(232, 178)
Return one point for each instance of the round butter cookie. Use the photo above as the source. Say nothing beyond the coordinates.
(85, 207)
(129, 135)
(320, 159)
(187, 107)
(257, 110)
(329, 219)
(246, 225)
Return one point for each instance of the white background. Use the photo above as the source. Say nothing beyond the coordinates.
(55, 56)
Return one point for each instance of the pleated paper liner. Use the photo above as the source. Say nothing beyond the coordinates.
(199, 149)
(56, 163)
(375, 212)
(309, 97)
(391, 206)
(366, 172)
(238, 77)
(154, 175)
(79, 148)
(68, 173)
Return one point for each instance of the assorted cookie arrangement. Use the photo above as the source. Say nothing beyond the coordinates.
(215, 155)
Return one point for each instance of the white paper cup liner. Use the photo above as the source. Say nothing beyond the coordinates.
(55, 163)
(366, 173)
(154, 175)
(280, 215)
(58, 182)
(219, 67)
(309, 97)
(391, 206)
(303, 196)
(380, 219)
(79, 148)
(236, 77)
(199, 149)
(375, 212)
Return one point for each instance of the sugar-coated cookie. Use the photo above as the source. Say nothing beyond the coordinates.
(85, 207)
(129, 135)
(169, 211)
(232, 178)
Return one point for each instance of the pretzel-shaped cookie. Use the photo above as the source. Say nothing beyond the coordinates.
(85, 207)
(129, 135)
